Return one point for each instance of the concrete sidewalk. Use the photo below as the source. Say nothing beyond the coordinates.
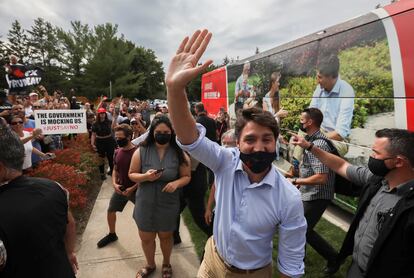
(125, 257)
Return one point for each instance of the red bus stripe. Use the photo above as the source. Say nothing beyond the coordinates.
(403, 23)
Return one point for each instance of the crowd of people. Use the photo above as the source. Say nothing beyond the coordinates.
(167, 161)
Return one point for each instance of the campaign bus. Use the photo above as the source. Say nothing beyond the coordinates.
(375, 53)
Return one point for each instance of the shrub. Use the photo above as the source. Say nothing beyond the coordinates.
(295, 97)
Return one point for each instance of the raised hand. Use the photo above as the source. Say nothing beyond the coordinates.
(184, 65)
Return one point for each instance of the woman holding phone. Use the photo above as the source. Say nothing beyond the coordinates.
(161, 167)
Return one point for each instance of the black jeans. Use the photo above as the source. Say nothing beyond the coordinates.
(106, 148)
(193, 195)
(313, 212)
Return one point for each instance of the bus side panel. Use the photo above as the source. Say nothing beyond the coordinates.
(404, 23)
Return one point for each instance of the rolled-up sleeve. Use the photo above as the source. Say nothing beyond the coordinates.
(206, 151)
(292, 239)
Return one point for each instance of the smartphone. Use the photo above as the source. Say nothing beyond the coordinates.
(159, 170)
(122, 187)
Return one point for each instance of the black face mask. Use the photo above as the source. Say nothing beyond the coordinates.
(122, 142)
(162, 139)
(258, 162)
(378, 167)
(301, 127)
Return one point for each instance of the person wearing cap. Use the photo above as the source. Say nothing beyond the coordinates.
(102, 141)
(28, 109)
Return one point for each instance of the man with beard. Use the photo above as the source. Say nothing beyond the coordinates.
(253, 200)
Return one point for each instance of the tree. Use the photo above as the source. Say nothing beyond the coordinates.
(145, 62)
(226, 60)
(18, 43)
(76, 45)
(45, 52)
(110, 62)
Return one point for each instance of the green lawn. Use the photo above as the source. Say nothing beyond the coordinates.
(314, 263)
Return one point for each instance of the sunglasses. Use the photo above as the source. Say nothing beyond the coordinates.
(134, 123)
(17, 123)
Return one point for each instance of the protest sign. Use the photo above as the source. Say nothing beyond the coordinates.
(21, 77)
(61, 121)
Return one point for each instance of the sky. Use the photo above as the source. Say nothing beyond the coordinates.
(238, 27)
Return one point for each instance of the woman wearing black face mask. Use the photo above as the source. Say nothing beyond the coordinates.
(160, 167)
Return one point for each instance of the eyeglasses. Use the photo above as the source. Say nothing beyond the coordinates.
(134, 123)
(17, 123)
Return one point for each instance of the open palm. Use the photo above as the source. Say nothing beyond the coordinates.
(184, 65)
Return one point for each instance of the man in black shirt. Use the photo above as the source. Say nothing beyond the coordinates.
(201, 177)
(37, 233)
(206, 121)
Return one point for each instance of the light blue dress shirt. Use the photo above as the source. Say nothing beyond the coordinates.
(249, 214)
(337, 107)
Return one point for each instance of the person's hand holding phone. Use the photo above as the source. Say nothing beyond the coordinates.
(153, 175)
(118, 188)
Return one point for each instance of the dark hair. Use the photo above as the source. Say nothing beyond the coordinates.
(401, 142)
(329, 66)
(11, 148)
(199, 107)
(258, 116)
(150, 140)
(315, 115)
(124, 128)
(98, 118)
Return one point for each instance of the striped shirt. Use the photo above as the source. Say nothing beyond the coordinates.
(310, 166)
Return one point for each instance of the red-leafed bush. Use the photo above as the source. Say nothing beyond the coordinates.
(68, 176)
(80, 143)
(70, 157)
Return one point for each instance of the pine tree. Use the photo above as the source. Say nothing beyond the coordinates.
(46, 52)
(76, 46)
(226, 60)
(18, 43)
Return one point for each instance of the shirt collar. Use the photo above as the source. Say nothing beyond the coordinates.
(401, 189)
(335, 89)
(316, 134)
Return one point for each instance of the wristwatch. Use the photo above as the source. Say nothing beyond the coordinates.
(294, 181)
(310, 147)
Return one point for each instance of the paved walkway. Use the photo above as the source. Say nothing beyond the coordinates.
(123, 258)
